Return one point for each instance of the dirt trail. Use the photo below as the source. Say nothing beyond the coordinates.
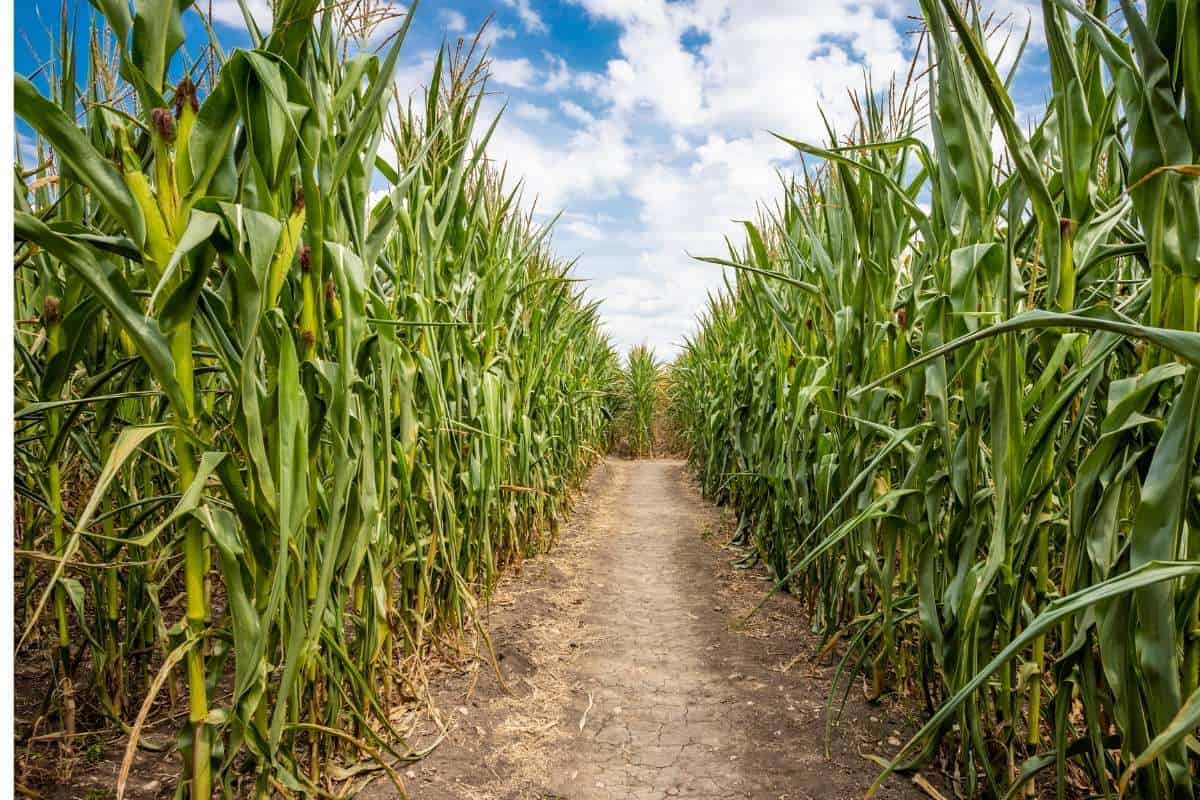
(627, 678)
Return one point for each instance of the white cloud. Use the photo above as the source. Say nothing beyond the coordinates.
(589, 81)
(515, 72)
(1014, 16)
(229, 13)
(559, 75)
(413, 76)
(592, 162)
(531, 112)
(583, 229)
(530, 19)
(495, 32)
(453, 21)
(26, 148)
(621, 10)
(757, 65)
(577, 112)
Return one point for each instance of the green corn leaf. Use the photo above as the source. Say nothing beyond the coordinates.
(1143, 576)
(1184, 724)
(110, 288)
(86, 165)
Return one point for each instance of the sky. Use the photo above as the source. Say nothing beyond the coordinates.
(648, 123)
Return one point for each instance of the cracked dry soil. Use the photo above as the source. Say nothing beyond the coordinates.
(627, 677)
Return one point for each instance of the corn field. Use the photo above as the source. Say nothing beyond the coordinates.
(952, 389)
(277, 430)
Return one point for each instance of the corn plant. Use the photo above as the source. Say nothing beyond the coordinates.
(277, 432)
(639, 395)
(952, 388)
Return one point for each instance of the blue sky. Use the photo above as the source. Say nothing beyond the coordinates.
(645, 121)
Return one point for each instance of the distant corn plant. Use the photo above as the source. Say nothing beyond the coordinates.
(640, 395)
(954, 393)
(275, 429)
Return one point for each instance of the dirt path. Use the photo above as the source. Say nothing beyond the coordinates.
(627, 678)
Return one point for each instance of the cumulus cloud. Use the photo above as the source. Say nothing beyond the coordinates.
(559, 75)
(517, 73)
(754, 65)
(495, 32)
(582, 228)
(531, 112)
(25, 149)
(229, 13)
(574, 111)
(1014, 16)
(453, 21)
(591, 161)
(530, 18)
(413, 76)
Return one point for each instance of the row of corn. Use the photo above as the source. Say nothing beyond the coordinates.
(953, 391)
(296, 375)
(638, 403)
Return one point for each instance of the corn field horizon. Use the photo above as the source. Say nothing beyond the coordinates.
(280, 432)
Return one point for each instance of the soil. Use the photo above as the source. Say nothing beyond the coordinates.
(628, 671)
